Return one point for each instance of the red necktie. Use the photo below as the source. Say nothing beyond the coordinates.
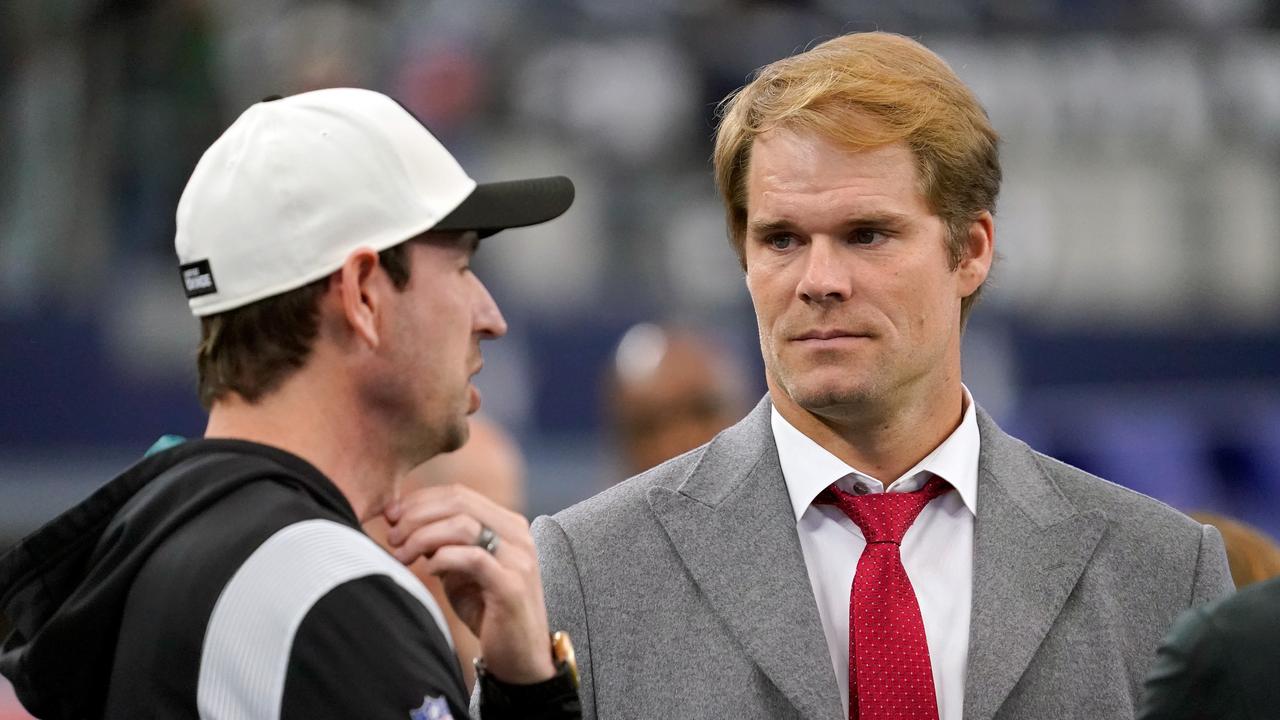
(890, 677)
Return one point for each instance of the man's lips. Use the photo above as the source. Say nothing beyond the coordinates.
(829, 335)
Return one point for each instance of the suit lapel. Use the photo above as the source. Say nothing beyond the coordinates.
(731, 523)
(1030, 547)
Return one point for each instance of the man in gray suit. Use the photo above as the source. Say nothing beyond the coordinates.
(867, 542)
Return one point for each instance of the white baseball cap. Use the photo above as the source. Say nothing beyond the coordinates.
(296, 184)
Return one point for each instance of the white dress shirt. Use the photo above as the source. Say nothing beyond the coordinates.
(937, 550)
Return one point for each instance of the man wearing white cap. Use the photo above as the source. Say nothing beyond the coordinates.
(324, 243)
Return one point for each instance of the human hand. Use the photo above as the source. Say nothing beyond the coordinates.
(498, 595)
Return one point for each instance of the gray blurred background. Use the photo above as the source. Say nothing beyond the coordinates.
(1131, 327)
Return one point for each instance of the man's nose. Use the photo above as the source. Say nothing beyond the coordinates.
(825, 278)
(489, 323)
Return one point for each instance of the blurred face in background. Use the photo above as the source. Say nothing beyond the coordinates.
(653, 430)
(848, 270)
(670, 392)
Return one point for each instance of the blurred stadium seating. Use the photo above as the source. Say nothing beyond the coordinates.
(1131, 325)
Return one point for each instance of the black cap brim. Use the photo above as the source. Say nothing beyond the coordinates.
(493, 207)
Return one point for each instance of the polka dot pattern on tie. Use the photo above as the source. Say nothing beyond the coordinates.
(890, 677)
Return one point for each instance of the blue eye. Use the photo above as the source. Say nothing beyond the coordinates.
(780, 242)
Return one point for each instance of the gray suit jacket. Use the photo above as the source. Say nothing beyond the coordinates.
(686, 593)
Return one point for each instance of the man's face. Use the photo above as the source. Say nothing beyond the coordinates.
(682, 405)
(859, 313)
(440, 318)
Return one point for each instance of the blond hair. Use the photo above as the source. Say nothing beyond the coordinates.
(865, 90)
(1251, 554)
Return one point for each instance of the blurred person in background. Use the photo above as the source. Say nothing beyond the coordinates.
(867, 543)
(325, 243)
(1252, 556)
(1220, 661)
(491, 464)
(669, 390)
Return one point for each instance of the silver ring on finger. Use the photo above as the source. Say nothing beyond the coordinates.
(487, 539)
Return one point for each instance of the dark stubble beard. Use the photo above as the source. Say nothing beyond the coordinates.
(420, 439)
(454, 435)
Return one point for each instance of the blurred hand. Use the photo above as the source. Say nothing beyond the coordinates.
(498, 595)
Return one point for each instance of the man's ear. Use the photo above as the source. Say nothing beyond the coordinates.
(362, 292)
(979, 252)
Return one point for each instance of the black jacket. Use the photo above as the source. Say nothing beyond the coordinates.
(1220, 661)
(223, 576)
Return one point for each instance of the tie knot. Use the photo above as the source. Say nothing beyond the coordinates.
(884, 517)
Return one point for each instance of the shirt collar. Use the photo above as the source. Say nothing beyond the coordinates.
(808, 468)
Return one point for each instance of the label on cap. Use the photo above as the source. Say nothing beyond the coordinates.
(197, 279)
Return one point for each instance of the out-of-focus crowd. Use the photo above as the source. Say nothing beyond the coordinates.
(108, 103)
